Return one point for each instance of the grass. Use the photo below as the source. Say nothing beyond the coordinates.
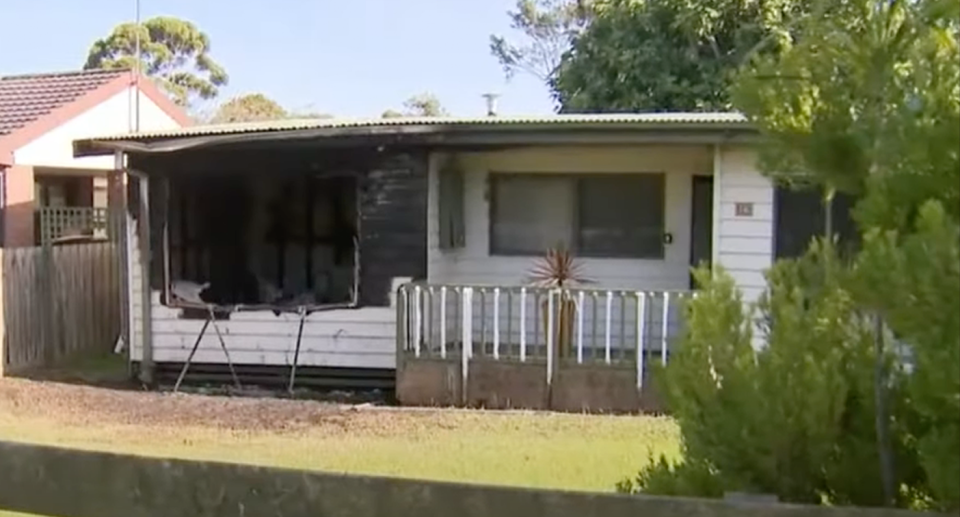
(524, 449)
(98, 370)
(549, 450)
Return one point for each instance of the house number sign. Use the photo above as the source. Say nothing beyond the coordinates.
(743, 209)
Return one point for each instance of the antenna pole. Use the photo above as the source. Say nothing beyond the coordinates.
(136, 70)
(491, 103)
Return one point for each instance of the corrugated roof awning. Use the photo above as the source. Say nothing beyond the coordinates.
(422, 129)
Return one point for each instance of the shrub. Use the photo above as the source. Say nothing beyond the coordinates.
(685, 478)
(914, 282)
(794, 417)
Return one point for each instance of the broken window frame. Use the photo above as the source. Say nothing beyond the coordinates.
(191, 310)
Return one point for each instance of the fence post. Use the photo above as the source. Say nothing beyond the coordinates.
(400, 302)
(417, 319)
(51, 337)
(641, 334)
(550, 337)
(3, 315)
(466, 349)
(443, 322)
(117, 233)
(665, 328)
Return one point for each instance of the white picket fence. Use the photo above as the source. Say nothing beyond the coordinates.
(603, 326)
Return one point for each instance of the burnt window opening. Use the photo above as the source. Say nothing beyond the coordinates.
(263, 241)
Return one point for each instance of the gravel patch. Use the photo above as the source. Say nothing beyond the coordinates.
(77, 404)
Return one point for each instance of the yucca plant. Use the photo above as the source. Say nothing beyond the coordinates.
(558, 269)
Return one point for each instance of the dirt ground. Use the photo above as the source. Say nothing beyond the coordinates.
(80, 405)
(517, 448)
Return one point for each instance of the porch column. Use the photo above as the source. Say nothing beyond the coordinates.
(116, 190)
(19, 206)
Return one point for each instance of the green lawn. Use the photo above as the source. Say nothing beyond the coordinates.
(560, 451)
(514, 448)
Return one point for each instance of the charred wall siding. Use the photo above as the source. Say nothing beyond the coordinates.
(393, 225)
(393, 211)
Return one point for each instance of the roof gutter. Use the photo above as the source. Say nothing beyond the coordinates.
(95, 147)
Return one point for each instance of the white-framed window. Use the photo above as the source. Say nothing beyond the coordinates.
(593, 215)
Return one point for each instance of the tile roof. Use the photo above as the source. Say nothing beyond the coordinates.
(26, 98)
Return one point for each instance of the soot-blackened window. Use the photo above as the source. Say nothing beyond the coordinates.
(271, 240)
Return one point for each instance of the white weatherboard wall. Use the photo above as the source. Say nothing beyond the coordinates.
(473, 263)
(112, 116)
(355, 338)
(744, 243)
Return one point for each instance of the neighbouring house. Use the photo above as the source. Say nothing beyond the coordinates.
(403, 247)
(47, 192)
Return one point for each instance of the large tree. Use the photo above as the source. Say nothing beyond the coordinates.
(866, 99)
(866, 92)
(173, 52)
(420, 105)
(249, 108)
(863, 96)
(546, 28)
(667, 55)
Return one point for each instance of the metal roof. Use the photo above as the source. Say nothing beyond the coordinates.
(302, 128)
(694, 119)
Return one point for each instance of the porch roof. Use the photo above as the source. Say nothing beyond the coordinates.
(424, 130)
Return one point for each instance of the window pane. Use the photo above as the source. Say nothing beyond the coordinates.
(530, 214)
(621, 215)
(800, 217)
(450, 208)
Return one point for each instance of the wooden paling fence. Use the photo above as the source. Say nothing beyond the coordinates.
(59, 302)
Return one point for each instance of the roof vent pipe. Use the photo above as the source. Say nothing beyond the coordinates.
(491, 103)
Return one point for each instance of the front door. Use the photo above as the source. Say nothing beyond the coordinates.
(701, 223)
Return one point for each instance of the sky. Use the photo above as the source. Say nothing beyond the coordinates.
(344, 57)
